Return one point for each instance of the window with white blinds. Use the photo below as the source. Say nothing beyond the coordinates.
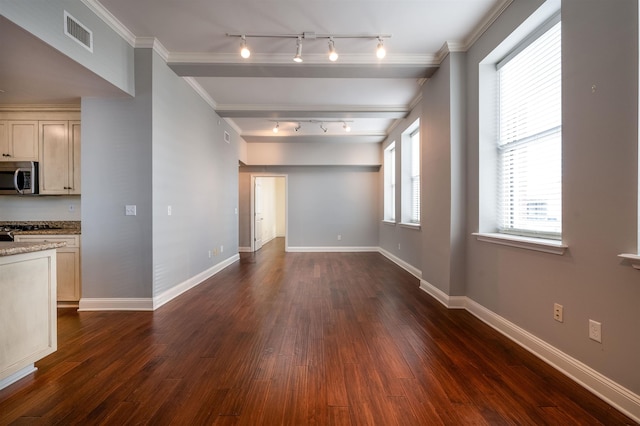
(390, 182)
(415, 177)
(530, 139)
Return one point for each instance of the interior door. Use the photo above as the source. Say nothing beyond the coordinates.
(258, 216)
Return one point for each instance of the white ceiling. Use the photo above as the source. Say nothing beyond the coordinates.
(369, 93)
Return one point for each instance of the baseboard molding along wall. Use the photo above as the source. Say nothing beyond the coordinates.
(618, 396)
(331, 249)
(401, 263)
(151, 304)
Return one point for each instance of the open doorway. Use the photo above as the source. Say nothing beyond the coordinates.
(269, 206)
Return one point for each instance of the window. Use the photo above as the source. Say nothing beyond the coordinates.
(390, 183)
(411, 174)
(530, 138)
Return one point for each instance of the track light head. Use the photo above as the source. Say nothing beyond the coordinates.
(324, 129)
(346, 127)
(276, 127)
(380, 50)
(244, 50)
(298, 127)
(333, 55)
(298, 56)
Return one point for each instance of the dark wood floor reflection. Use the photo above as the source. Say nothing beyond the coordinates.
(295, 339)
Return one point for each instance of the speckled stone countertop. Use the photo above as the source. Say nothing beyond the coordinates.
(67, 227)
(8, 248)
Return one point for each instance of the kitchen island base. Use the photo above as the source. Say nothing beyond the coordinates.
(28, 322)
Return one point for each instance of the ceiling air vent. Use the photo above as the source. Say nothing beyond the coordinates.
(74, 29)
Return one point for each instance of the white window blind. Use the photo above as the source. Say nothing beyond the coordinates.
(530, 139)
(390, 182)
(415, 177)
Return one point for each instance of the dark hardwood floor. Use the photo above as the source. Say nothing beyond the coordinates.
(296, 339)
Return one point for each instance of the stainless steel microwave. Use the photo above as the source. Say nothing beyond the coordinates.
(18, 177)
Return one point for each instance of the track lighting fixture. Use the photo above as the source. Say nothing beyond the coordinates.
(298, 57)
(323, 126)
(380, 50)
(333, 55)
(309, 35)
(244, 50)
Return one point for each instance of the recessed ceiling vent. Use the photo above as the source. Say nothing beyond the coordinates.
(74, 29)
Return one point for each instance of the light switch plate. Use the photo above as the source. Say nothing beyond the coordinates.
(130, 210)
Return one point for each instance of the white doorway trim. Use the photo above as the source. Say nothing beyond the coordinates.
(286, 207)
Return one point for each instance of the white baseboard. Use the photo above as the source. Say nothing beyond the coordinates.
(115, 304)
(451, 302)
(9, 380)
(331, 249)
(613, 393)
(401, 263)
(244, 249)
(618, 396)
(177, 290)
(151, 304)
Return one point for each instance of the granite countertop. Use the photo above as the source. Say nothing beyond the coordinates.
(62, 227)
(9, 248)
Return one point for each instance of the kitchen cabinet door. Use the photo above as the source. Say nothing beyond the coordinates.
(59, 157)
(18, 140)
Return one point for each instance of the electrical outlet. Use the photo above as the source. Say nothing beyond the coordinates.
(209, 254)
(398, 246)
(557, 312)
(72, 207)
(221, 248)
(595, 331)
(168, 210)
(130, 210)
(339, 237)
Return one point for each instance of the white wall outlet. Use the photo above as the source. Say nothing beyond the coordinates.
(209, 254)
(168, 210)
(221, 248)
(339, 237)
(72, 207)
(557, 312)
(595, 331)
(398, 246)
(130, 210)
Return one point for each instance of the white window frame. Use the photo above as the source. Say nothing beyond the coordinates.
(488, 177)
(411, 169)
(390, 183)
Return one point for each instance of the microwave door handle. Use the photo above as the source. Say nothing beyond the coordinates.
(15, 182)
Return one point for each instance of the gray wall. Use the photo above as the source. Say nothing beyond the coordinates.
(165, 147)
(117, 142)
(323, 202)
(196, 173)
(112, 57)
(600, 196)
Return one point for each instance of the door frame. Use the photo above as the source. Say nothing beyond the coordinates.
(286, 207)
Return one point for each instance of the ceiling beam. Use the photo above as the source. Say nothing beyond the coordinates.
(275, 112)
(193, 69)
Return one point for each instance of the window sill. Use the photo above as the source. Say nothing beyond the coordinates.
(388, 222)
(527, 243)
(408, 225)
(634, 259)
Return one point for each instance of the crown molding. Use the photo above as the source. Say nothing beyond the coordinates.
(201, 92)
(109, 19)
(152, 43)
(486, 23)
(40, 108)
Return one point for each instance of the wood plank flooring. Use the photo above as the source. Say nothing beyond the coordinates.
(295, 339)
